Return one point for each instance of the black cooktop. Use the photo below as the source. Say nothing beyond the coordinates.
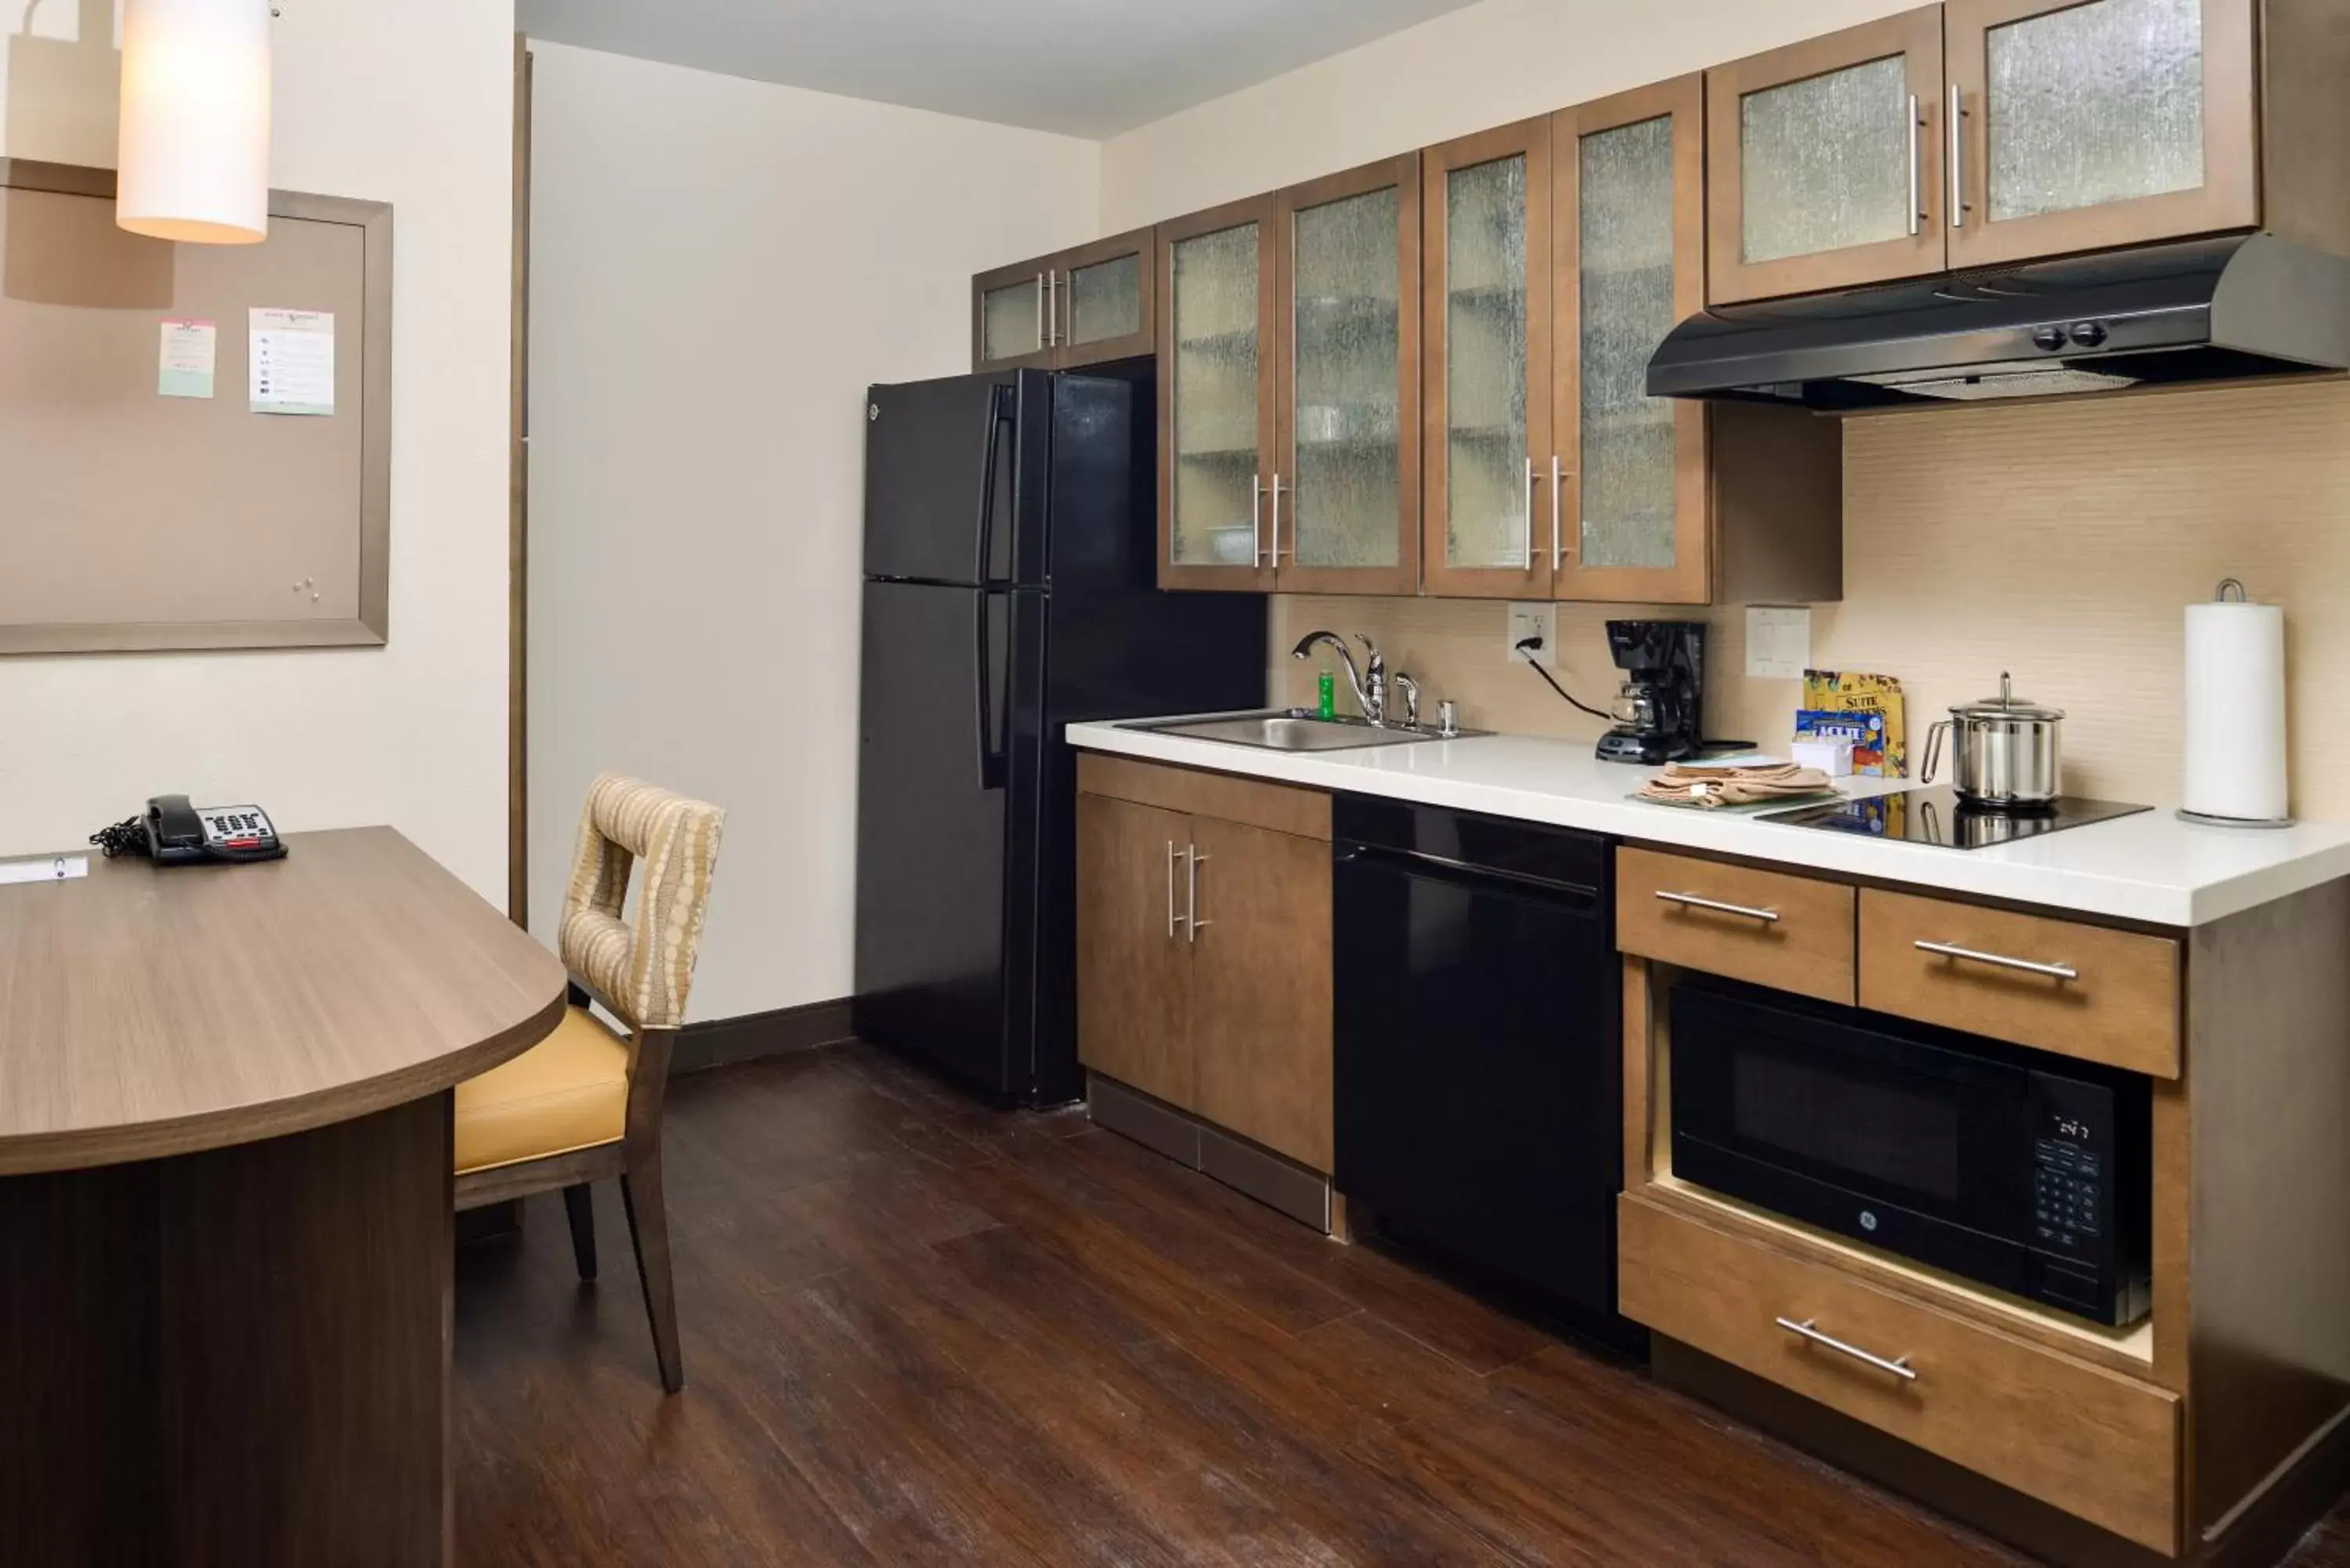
(1935, 816)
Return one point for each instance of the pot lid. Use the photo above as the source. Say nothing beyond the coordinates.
(2006, 705)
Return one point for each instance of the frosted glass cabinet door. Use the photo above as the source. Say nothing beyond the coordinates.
(1348, 481)
(1629, 212)
(1105, 299)
(2108, 122)
(1487, 320)
(1216, 274)
(1823, 163)
(1009, 323)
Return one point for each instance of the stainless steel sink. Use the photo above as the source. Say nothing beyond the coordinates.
(1291, 730)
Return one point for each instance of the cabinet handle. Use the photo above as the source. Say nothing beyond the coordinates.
(1052, 308)
(1530, 514)
(1690, 900)
(1958, 157)
(1557, 542)
(1277, 522)
(1043, 341)
(1194, 860)
(1999, 961)
(1899, 1367)
(1914, 176)
(1256, 514)
(1171, 916)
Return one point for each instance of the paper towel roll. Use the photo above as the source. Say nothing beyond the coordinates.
(2235, 712)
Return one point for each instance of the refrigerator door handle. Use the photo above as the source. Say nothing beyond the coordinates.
(993, 760)
(999, 414)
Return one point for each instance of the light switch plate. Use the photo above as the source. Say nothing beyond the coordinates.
(1778, 642)
(1533, 620)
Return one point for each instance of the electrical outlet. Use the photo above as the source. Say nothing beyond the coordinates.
(1534, 621)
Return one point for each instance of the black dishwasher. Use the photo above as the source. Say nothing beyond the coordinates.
(1478, 1046)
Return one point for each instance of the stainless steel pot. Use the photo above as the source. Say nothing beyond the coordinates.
(2003, 751)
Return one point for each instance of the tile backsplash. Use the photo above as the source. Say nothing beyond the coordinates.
(2057, 540)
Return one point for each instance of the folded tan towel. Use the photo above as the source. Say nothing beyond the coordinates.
(1712, 784)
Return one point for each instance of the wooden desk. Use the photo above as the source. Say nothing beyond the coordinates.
(225, 1184)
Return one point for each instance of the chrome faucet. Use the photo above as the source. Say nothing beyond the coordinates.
(1369, 686)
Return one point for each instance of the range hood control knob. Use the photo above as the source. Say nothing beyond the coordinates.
(2049, 338)
(2089, 334)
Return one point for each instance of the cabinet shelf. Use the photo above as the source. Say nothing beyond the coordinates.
(1489, 296)
(1220, 345)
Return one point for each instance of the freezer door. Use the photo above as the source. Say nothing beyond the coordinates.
(941, 459)
(945, 923)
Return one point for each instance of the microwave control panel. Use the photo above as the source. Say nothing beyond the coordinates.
(2073, 1186)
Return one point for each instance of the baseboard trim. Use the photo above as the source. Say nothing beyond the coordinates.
(722, 1042)
(1274, 1181)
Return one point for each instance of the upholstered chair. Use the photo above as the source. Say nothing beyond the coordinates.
(585, 1102)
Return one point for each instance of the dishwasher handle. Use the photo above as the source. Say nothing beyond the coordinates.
(1460, 873)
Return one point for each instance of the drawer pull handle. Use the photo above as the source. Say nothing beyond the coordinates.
(2000, 960)
(1690, 900)
(1804, 1330)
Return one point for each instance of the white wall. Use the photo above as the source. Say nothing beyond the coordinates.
(719, 269)
(1467, 70)
(406, 101)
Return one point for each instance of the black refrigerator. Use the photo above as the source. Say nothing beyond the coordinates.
(1010, 553)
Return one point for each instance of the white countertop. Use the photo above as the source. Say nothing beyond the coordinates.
(2150, 867)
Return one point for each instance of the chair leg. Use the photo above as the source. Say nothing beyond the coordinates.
(641, 1195)
(579, 1208)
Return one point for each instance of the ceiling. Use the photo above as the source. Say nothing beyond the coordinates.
(1084, 67)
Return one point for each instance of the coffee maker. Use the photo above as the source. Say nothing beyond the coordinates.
(1663, 663)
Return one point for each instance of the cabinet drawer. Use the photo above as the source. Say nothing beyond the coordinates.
(1251, 803)
(1792, 933)
(2088, 1441)
(2081, 991)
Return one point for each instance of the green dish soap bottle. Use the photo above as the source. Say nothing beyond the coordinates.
(1326, 703)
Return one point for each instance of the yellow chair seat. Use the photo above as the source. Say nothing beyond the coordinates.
(570, 1091)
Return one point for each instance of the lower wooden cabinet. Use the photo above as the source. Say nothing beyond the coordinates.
(1203, 949)
(2089, 1441)
(1134, 973)
(1260, 1003)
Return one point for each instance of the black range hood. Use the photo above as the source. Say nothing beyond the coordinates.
(2204, 310)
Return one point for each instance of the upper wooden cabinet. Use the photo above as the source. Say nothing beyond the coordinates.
(1346, 493)
(1984, 132)
(2109, 123)
(1559, 254)
(1823, 164)
(1491, 518)
(1075, 308)
(1218, 392)
(1289, 389)
(1631, 506)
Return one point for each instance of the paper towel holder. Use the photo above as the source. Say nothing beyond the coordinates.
(2232, 590)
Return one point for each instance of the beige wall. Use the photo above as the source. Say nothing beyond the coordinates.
(1468, 71)
(2057, 541)
(406, 101)
(720, 268)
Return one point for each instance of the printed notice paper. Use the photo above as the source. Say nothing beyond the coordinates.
(293, 362)
(190, 349)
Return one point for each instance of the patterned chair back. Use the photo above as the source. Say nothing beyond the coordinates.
(645, 969)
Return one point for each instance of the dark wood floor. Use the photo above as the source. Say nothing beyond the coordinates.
(918, 1331)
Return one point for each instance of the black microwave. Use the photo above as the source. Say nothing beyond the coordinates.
(2025, 1172)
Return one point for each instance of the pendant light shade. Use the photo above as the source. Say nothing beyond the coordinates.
(194, 151)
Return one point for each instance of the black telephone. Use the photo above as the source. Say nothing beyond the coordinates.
(178, 833)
